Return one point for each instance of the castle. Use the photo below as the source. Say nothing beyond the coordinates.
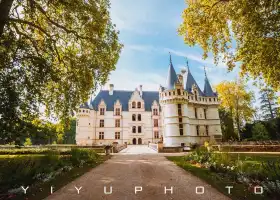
(180, 114)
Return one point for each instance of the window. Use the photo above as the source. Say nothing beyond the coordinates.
(139, 117)
(207, 130)
(133, 117)
(155, 123)
(197, 130)
(195, 93)
(118, 111)
(173, 92)
(156, 135)
(205, 112)
(178, 91)
(117, 123)
(182, 144)
(210, 99)
(169, 93)
(139, 129)
(214, 99)
(139, 105)
(133, 104)
(179, 109)
(195, 113)
(117, 135)
(83, 110)
(180, 120)
(101, 123)
(181, 129)
(88, 123)
(155, 111)
(134, 129)
(102, 111)
(101, 135)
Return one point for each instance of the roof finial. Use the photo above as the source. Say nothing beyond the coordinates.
(205, 72)
(187, 62)
(170, 57)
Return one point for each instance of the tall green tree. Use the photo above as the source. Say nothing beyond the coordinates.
(237, 30)
(227, 125)
(268, 107)
(52, 54)
(237, 101)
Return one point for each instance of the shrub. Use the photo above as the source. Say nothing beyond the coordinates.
(84, 156)
(259, 132)
(27, 142)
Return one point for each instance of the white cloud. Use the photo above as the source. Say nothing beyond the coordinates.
(124, 79)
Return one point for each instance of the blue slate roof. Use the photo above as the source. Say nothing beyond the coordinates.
(171, 77)
(208, 89)
(123, 97)
(190, 82)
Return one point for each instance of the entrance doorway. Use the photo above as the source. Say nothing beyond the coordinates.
(134, 141)
(139, 141)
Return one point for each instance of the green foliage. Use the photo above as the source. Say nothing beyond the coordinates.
(29, 170)
(70, 132)
(259, 132)
(27, 142)
(236, 102)
(227, 125)
(243, 31)
(268, 107)
(52, 54)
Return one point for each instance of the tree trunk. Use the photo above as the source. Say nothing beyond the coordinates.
(5, 7)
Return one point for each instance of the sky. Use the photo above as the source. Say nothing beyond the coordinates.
(148, 31)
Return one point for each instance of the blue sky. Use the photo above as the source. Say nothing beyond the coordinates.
(148, 30)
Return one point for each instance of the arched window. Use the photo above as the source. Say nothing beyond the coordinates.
(133, 117)
(139, 117)
(133, 104)
(134, 129)
(139, 129)
(139, 105)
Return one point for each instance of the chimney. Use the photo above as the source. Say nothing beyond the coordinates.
(111, 91)
(141, 92)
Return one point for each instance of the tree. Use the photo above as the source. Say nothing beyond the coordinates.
(52, 54)
(227, 125)
(70, 132)
(259, 132)
(236, 101)
(268, 103)
(245, 31)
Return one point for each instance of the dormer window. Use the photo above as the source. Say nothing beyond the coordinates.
(139, 105)
(178, 91)
(118, 111)
(133, 104)
(195, 95)
(102, 111)
(155, 111)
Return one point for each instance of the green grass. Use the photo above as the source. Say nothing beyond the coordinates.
(218, 181)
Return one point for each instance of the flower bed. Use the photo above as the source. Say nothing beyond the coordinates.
(244, 172)
(28, 170)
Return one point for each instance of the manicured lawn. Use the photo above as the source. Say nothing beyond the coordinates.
(240, 191)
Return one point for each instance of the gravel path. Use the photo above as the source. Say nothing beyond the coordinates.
(124, 172)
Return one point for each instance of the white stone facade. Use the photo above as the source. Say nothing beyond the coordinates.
(180, 114)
